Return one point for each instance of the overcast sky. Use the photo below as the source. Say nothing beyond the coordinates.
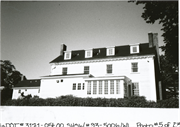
(32, 32)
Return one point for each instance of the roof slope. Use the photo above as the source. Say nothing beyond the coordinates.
(120, 51)
(29, 83)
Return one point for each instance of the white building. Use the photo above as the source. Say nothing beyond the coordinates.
(110, 72)
(28, 87)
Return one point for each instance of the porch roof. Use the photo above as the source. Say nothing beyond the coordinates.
(67, 76)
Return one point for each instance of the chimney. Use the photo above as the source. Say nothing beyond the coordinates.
(153, 42)
(62, 49)
(153, 39)
(150, 36)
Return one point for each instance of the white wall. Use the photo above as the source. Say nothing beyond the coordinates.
(50, 87)
(145, 77)
(33, 92)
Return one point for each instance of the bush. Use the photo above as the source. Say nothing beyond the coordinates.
(69, 100)
(169, 103)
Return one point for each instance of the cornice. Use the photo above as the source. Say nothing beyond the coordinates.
(104, 60)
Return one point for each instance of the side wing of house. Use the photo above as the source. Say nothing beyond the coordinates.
(27, 87)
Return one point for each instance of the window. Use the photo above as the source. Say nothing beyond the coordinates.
(135, 88)
(64, 71)
(25, 89)
(134, 67)
(74, 86)
(89, 87)
(86, 69)
(67, 55)
(134, 48)
(79, 86)
(109, 68)
(111, 86)
(125, 90)
(88, 53)
(106, 87)
(100, 87)
(110, 51)
(39, 91)
(19, 91)
(83, 86)
(117, 86)
(94, 87)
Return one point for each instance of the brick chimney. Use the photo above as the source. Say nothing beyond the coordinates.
(153, 39)
(62, 49)
(153, 42)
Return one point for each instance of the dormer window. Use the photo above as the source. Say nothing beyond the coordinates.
(67, 55)
(88, 53)
(134, 48)
(110, 51)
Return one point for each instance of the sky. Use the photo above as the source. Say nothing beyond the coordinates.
(32, 32)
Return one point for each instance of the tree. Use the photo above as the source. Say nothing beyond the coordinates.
(169, 78)
(9, 77)
(166, 13)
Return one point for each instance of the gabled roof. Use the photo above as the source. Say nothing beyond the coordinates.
(29, 83)
(120, 51)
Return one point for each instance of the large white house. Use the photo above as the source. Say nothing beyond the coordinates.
(110, 72)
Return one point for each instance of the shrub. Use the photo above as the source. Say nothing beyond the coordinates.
(69, 100)
(169, 103)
